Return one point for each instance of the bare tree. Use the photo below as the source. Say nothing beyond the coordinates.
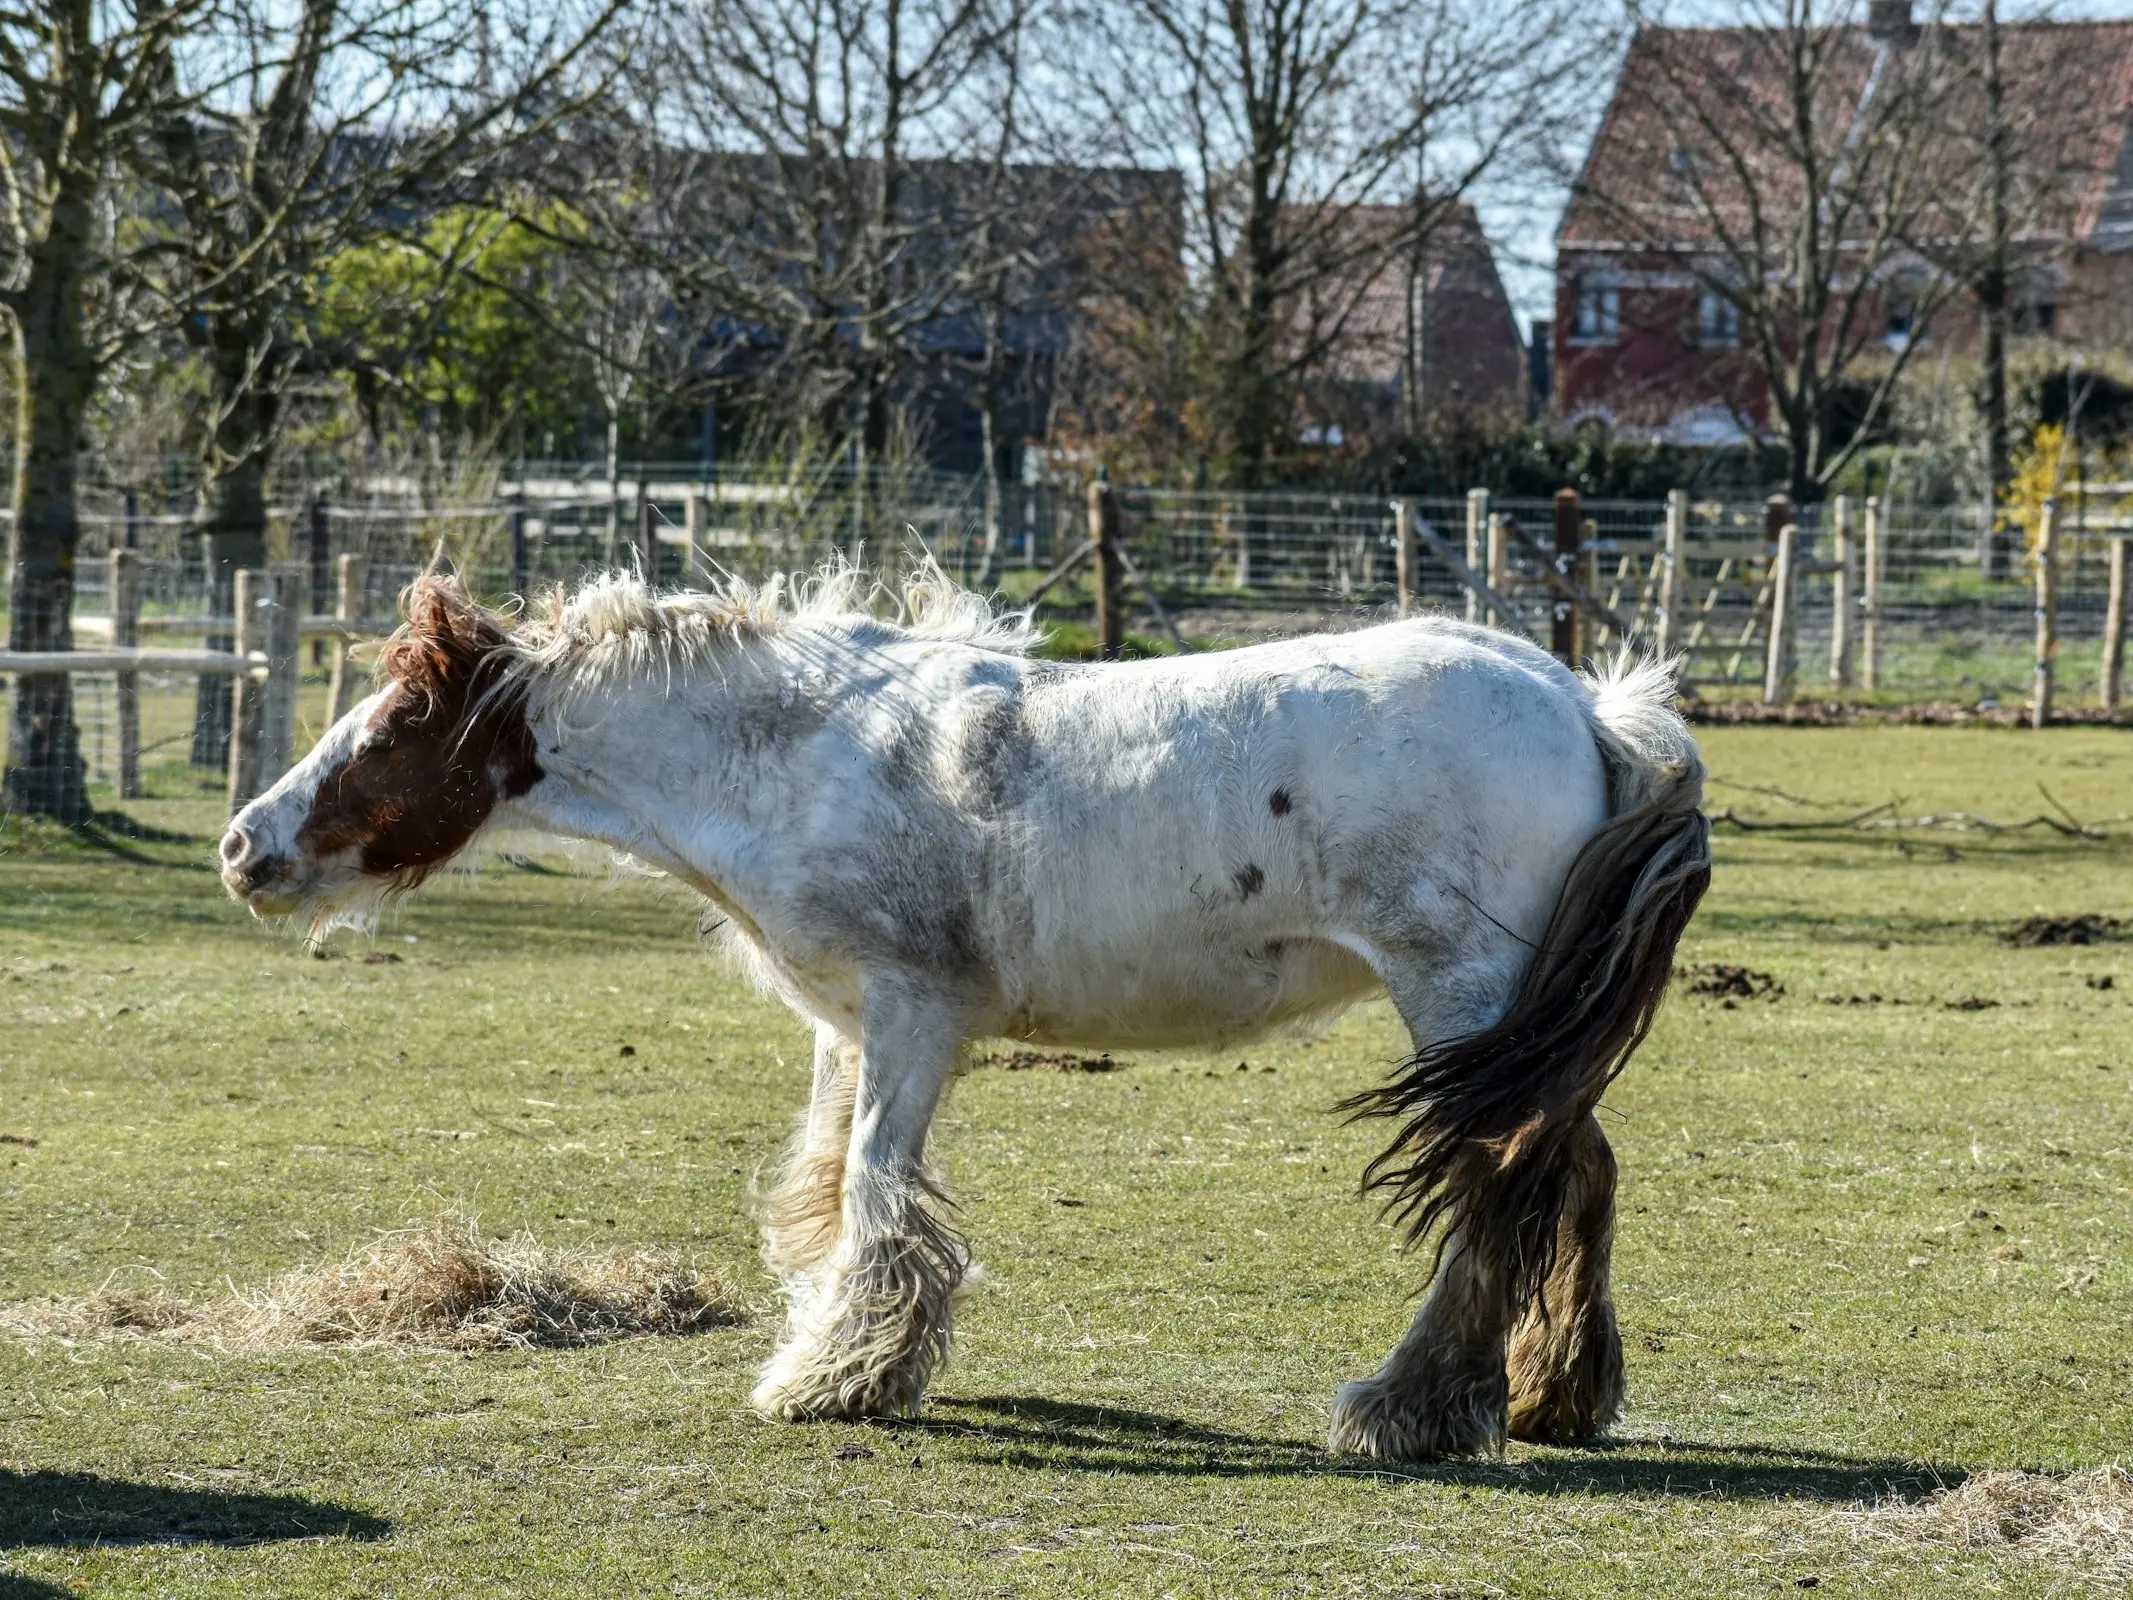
(1325, 141)
(1787, 167)
(335, 120)
(825, 181)
(2034, 111)
(82, 82)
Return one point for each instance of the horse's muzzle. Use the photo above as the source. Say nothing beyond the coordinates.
(254, 876)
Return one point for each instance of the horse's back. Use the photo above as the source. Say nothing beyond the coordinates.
(1237, 836)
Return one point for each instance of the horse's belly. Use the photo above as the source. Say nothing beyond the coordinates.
(1184, 997)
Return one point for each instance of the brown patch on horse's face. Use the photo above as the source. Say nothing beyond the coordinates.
(440, 753)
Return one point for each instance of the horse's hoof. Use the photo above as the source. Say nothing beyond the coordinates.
(1567, 1383)
(798, 1386)
(1370, 1418)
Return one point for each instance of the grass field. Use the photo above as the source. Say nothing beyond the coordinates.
(1873, 1239)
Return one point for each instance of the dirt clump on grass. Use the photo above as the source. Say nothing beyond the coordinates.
(2034, 932)
(2081, 1521)
(1048, 1061)
(442, 1285)
(1716, 980)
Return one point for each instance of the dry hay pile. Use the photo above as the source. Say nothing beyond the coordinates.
(438, 1286)
(2083, 1521)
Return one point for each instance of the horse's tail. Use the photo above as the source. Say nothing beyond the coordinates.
(1487, 1118)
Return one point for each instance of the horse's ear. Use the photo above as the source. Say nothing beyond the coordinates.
(446, 638)
(439, 609)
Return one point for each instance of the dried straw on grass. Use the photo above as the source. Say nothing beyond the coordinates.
(2082, 1521)
(442, 1286)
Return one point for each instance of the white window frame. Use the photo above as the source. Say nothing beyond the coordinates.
(1602, 292)
(1717, 320)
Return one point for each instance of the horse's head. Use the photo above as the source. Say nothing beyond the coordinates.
(400, 784)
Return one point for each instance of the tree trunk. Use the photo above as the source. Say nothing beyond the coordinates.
(1992, 300)
(990, 442)
(1802, 485)
(44, 774)
(613, 557)
(1992, 543)
(234, 521)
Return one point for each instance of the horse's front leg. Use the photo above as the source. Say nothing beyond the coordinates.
(804, 1214)
(879, 1317)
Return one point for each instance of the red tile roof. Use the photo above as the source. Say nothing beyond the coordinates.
(2069, 90)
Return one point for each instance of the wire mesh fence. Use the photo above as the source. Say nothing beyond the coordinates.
(1227, 566)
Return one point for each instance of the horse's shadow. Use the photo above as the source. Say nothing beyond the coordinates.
(1018, 1430)
(64, 1509)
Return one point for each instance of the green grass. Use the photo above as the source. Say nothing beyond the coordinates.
(1814, 1311)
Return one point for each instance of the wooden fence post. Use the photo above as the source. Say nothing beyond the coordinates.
(1477, 538)
(2114, 627)
(2040, 699)
(520, 573)
(1840, 596)
(348, 608)
(247, 698)
(1672, 580)
(1403, 558)
(1588, 576)
(1563, 639)
(1103, 535)
(1777, 658)
(1499, 573)
(277, 708)
(126, 695)
(648, 538)
(321, 567)
(693, 524)
(1870, 581)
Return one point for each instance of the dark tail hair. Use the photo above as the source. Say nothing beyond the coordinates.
(1487, 1119)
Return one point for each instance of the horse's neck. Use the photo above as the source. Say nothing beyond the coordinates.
(668, 769)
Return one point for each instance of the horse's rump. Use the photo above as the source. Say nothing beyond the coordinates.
(1488, 1117)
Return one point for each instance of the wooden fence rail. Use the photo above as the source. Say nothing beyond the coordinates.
(262, 669)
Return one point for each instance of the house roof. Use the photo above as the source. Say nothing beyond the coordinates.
(1658, 165)
(1358, 303)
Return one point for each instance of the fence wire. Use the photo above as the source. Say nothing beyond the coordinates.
(1226, 567)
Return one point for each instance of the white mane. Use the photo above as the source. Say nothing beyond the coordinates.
(618, 627)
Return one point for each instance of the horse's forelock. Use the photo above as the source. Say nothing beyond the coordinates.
(440, 653)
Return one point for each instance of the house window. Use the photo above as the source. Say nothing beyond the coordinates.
(2033, 306)
(1596, 316)
(1717, 320)
(1905, 291)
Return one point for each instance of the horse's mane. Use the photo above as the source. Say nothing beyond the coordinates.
(617, 626)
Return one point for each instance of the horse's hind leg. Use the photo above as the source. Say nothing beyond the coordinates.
(1566, 1354)
(879, 1318)
(1443, 1389)
(804, 1214)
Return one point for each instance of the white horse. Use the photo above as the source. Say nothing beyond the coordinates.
(918, 835)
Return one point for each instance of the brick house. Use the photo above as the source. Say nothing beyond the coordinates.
(1457, 345)
(1641, 338)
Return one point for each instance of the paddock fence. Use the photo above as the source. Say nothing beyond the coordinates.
(167, 649)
